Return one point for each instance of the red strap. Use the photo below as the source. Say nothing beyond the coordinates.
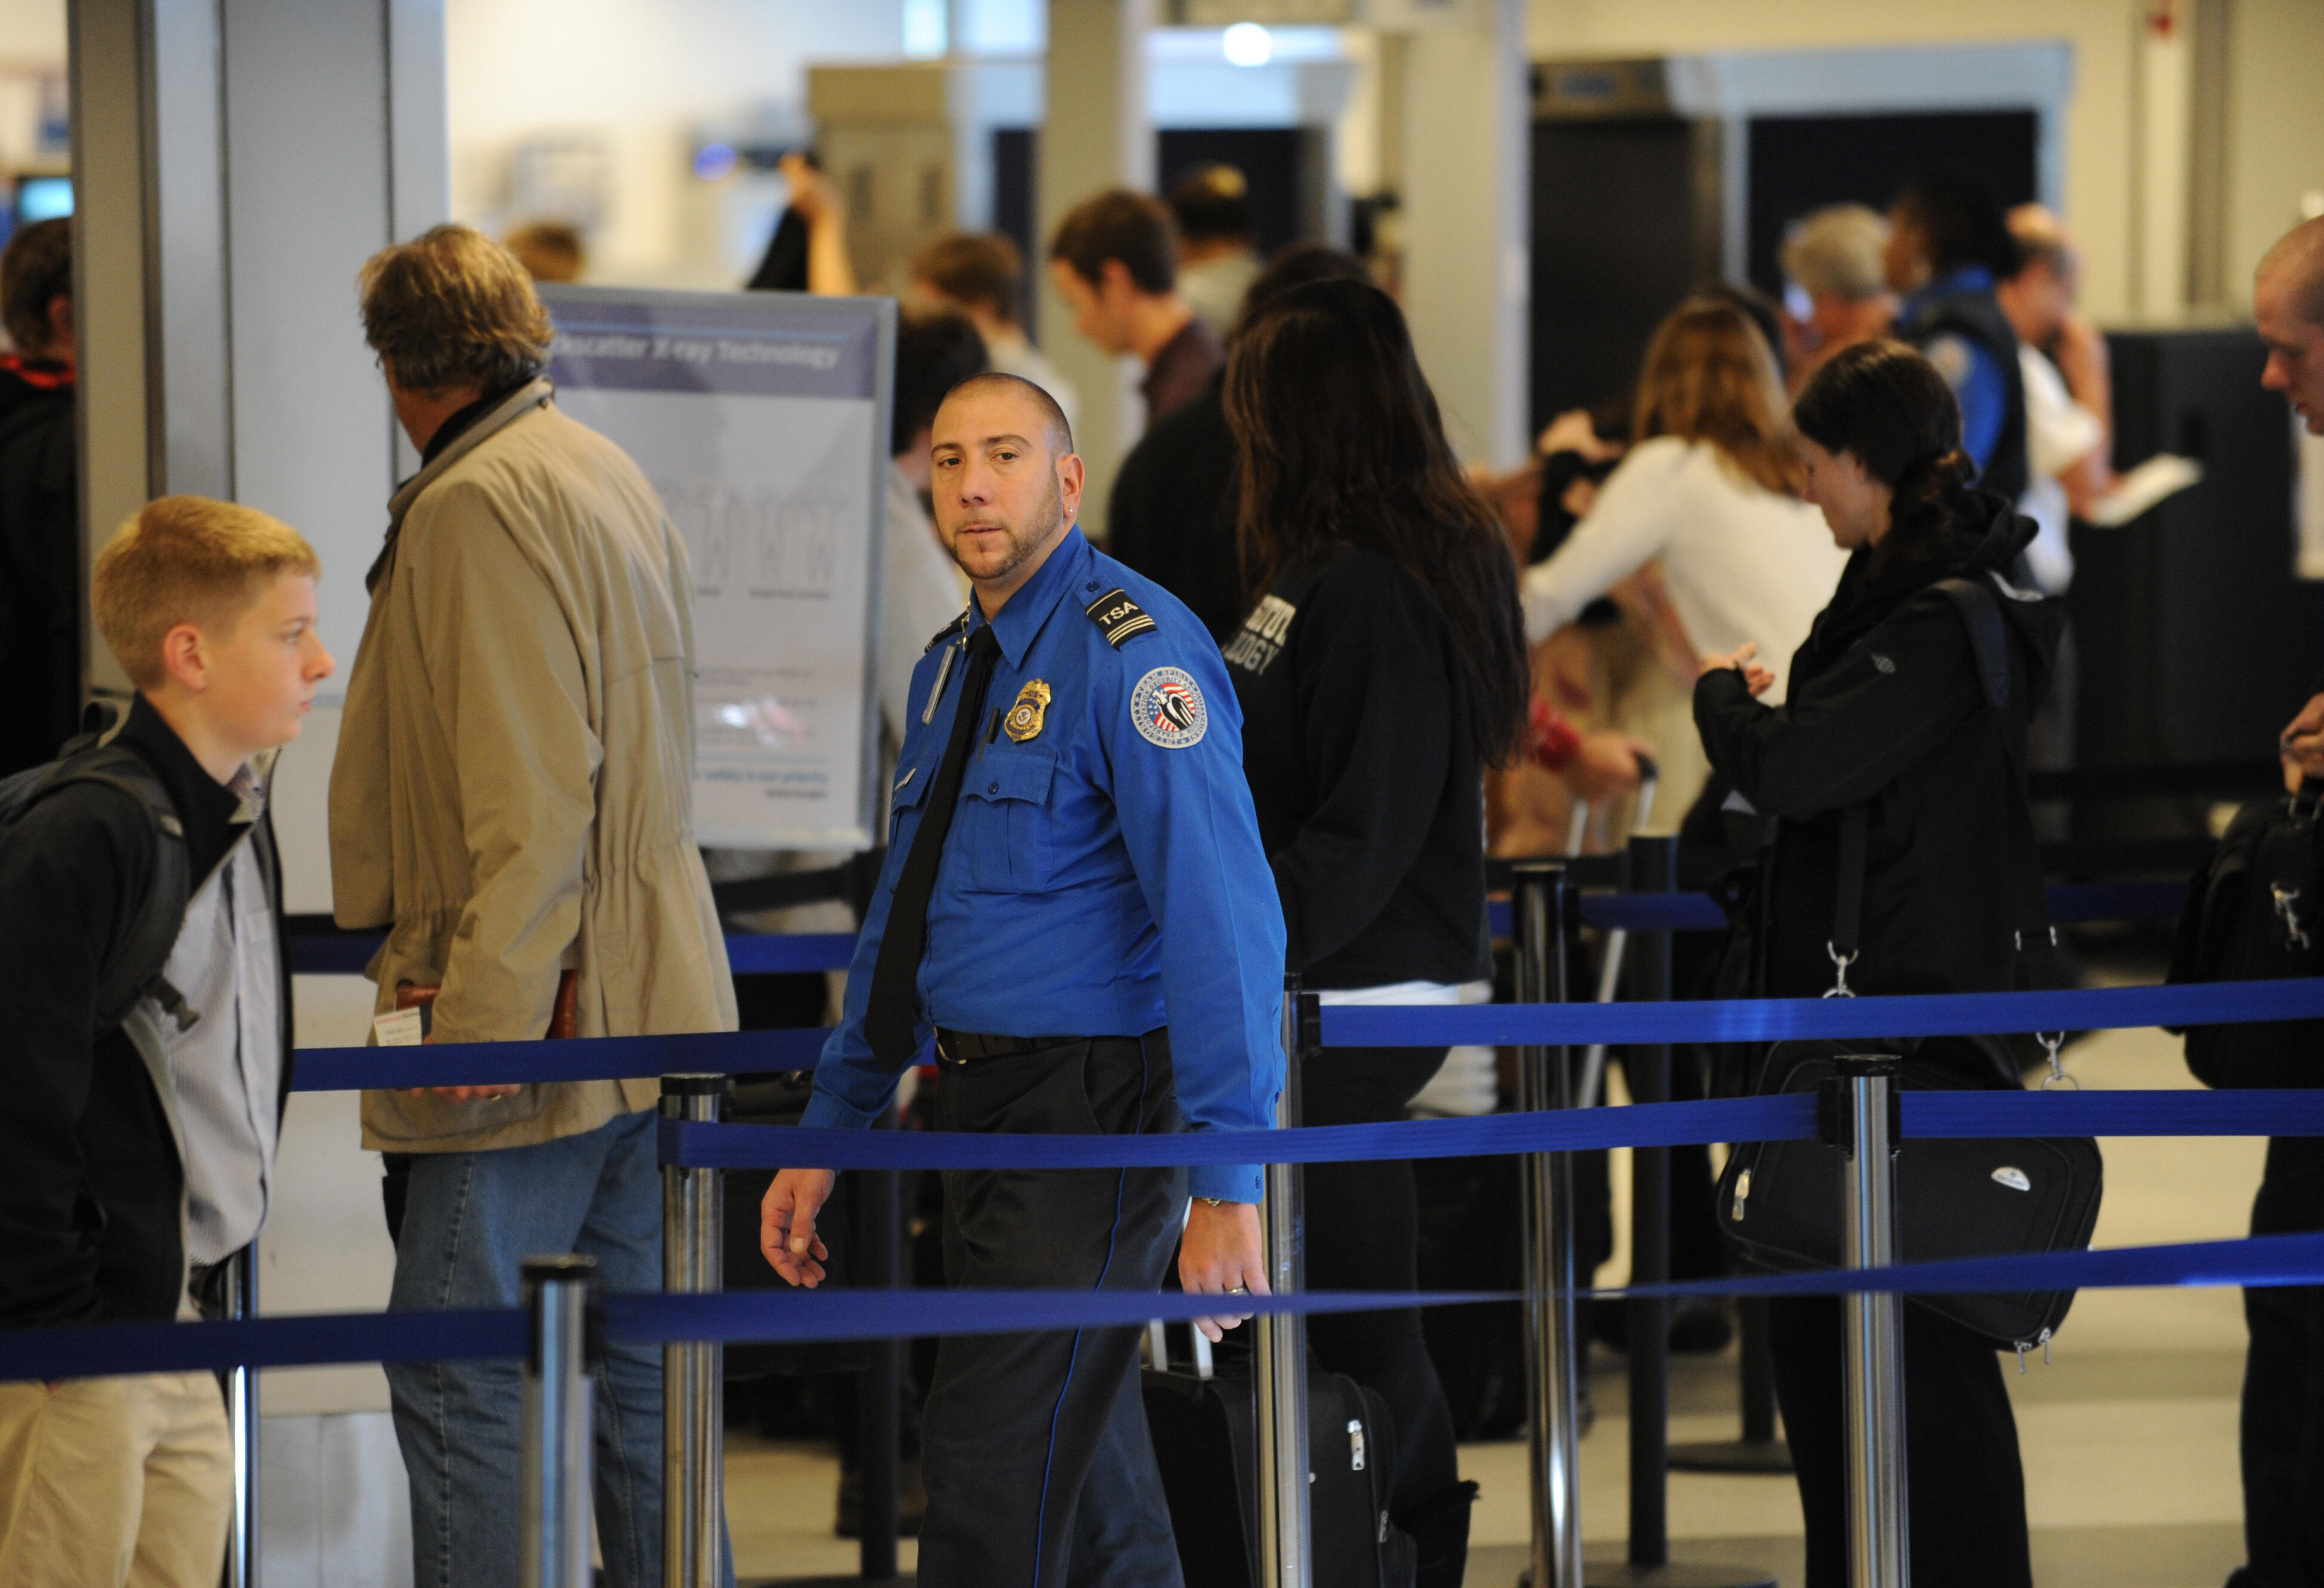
(1554, 742)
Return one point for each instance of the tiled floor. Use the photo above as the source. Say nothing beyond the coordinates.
(2129, 1437)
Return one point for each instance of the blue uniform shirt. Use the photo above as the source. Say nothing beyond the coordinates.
(1104, 875)
(1979, 384)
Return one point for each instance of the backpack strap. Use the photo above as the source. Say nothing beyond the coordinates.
(1848, 905)
(148, 930)
(1978, 604)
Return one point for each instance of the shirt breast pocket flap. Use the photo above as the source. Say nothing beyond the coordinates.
(1006, 794)
(911, 787)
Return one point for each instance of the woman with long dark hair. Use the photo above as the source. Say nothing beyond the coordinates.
(1381, 671)
(1892, 711)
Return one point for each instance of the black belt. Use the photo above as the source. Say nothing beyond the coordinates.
(964, 1047)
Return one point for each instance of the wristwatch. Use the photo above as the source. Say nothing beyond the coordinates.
(1210, 1201)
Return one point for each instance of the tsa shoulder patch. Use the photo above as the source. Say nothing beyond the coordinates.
(1166, 708)
(1118, 617)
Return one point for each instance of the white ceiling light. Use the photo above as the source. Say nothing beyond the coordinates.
(1247, 44)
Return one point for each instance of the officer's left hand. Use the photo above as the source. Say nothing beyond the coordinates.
(2303, 743)
(1222, 1252)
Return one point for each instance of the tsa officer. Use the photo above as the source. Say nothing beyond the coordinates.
(1078, 904)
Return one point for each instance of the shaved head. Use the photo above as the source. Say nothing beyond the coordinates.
(2295, 268)
(1056, 431)
(2288, 312)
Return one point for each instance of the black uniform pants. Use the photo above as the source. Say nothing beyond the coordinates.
(1965, 1488)
(1039, 1470)
(2283, 1387)
(1363, 1233)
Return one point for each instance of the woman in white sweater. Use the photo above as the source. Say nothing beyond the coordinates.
(1709, 488)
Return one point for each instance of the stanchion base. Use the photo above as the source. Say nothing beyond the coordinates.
(1733, 1455)
(1619, 1573)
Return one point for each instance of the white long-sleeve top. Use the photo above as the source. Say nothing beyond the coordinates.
(1742, 562)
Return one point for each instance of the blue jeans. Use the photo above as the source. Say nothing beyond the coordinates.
(469, 1220)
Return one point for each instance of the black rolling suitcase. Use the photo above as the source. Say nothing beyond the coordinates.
(1205, 1441)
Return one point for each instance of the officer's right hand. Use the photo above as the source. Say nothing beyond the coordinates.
(786, 1224)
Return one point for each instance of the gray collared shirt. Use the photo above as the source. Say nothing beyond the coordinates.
(227, 1069)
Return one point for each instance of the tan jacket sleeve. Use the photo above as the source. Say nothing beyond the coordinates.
(510, 694)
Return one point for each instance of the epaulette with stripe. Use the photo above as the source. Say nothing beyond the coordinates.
(947, 632)
(1118, 617)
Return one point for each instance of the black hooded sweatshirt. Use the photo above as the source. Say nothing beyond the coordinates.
(1886, 705)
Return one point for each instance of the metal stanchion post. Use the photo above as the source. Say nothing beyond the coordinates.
(562, 1359)
(1654, 869)
(1281, 1345)
(880, 1392)
(242, 1427)
(693, 1372)
(1872, 1374)
(1553, 1362)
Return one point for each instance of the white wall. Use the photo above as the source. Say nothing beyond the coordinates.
(643, 75)
(32, 31)
(2275, 127)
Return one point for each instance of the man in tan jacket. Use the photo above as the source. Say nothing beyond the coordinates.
(513, 800)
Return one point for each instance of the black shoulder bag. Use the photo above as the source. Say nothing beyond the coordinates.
(1779, 1201)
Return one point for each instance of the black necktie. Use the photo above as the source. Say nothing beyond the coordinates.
(888, 1016)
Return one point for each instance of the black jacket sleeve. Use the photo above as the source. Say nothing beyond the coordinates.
(1848, 731)
(64, 871)
(1376, 703)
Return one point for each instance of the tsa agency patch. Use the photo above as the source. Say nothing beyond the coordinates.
(1167, 710)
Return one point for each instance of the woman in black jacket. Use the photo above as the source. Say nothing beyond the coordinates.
(1890, 708)
(1381, 671)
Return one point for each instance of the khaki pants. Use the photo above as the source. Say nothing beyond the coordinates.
(115, 1482)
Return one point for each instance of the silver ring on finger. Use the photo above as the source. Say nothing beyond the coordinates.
(1240, 1290)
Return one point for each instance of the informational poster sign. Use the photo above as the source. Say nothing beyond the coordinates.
(762, 418)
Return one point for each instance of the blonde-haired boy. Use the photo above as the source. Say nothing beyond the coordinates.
(136, 1150)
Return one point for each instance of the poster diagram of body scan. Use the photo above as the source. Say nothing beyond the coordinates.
(762, 420)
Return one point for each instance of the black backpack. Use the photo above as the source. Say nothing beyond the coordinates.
(2252, 915)
(133, 962)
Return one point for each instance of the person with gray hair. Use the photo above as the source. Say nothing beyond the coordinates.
(512, 801)
(1836, 295)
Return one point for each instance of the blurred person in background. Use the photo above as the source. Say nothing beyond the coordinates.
(1382, 670)
(2283, 1376)
(1836, 292)
(2068, 458)
(1709, 490)
(1171, 514)
(981, 275)
(1216, 265)
(40, 500)
(1887, 712)
(549, 250)
(2044, 291)
(1115, 262)
(809, 251)
(2068, 392)
(1949, 248)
